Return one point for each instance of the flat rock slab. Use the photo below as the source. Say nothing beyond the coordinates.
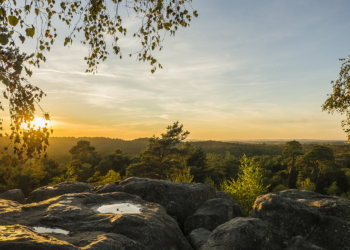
(180, 199)
(322, 220)
(68, 187)
(84, 226)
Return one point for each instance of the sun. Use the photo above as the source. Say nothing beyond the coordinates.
(38, 122)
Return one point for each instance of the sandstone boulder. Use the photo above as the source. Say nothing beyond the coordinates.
(211, 214)
(181, 200)
(223, 195)
(322, 220)
(69, 187)
(243, 234)
(18, 237)
(13, 195)
(91, 221)
(198, 237)
(298, 243)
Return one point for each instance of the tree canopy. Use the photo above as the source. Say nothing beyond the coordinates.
(291, 150)
(161, 157)
(339, 100)
(97, 20)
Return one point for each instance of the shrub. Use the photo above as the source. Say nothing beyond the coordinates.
(306, 185)
(182, 176)
(333, 190)
(247, 187)
(209, 181)
(278, 188)
(110, 177)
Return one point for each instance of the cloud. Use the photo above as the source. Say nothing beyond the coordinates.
(165, 116)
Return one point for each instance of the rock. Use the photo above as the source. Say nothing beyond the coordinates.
(299, 243)
(13, 195)
(180, 199)
(79, 221)
(211, 214)
(69, 187)
(198, 237)
(18, 237)
(223, 195)
(243, 234)
(323, 220)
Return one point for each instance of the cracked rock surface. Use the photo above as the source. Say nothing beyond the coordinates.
(321, 220)
(86, 226)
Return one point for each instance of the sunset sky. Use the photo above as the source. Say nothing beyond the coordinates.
(243, 70)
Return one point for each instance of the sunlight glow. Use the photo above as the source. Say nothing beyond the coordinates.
(38, 122)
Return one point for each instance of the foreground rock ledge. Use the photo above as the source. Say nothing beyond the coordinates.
(150, 229)
(321, 220)
(180, 199)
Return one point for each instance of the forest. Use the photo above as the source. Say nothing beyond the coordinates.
(323, 167)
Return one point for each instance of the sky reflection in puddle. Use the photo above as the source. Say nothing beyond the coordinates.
(47, 230)
(119, 208)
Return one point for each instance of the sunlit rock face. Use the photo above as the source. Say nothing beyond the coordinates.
(180, 200)
(89, 221)
(44, 193)
(321, 220)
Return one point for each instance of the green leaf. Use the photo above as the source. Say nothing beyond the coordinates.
(37, 11)
(2, 12)
(30, 32)
(4, 39)
(42, 47)
(18, 68)
(66, 41)
(22, 38)
(13, 20)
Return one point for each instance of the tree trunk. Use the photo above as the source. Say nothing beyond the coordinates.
(290, 173)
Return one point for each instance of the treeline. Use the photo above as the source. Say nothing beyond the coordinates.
(321, 168)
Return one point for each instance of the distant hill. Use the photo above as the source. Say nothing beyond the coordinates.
(60, 146)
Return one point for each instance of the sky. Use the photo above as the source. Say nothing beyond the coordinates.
(243, 70)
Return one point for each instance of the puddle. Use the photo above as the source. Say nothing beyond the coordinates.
(70, 198)
(49, 187)
(65, 202)
(301, 200)
(47, 230)
(119, 208)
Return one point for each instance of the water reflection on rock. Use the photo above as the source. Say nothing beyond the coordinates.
(119, 208)
(47, 230)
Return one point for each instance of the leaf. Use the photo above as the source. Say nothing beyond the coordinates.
(42, 47)
(30, 32)
(37, 11)
(13, 20)
(66, 41)
(22, 38)
(18, 68)
(4, 39)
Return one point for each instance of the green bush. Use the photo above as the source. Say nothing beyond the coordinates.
(278, 188)
(306, 185)
(110, 177)
(247, 187)
(182, 176)
(209, 181)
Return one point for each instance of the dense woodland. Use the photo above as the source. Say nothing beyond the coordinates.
(322, 167)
